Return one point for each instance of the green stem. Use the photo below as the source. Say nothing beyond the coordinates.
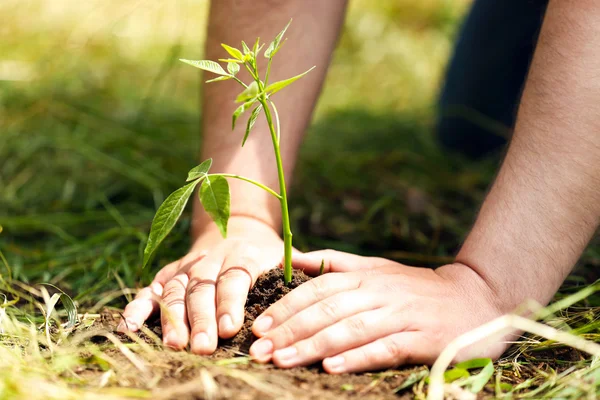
(277, 120)
(240, 82)
(285, 214)
(268, 71)
(243, 178)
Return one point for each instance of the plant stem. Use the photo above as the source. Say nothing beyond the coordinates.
(285, 214)
(268, 71)
(243, 178)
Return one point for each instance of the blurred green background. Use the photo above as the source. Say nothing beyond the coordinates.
(99, 122)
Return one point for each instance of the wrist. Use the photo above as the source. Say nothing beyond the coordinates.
(475, 286)
(205, 230)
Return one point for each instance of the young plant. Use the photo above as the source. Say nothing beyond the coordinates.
(214, 190)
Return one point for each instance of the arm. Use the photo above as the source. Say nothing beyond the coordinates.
(204, 292)
(545, 203)
(539, 215)
(312, 37)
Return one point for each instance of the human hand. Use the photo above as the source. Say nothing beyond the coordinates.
(203, 294)
(372, 313)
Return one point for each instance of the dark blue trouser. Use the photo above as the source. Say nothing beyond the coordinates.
(486, 74)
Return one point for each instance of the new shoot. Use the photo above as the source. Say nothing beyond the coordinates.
(214, 190)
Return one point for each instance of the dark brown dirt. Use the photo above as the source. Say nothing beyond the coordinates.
(183, 375)
(227, 374)
(269, 288)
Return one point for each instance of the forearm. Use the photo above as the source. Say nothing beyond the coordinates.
(545, 203)
(312, 38)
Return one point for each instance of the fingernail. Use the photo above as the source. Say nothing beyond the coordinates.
(263, 324)
(127, 325)
(286, 354)
(201, 342)
(262, 347)
(225, 324)
(170, 339)
(122, 327)
(334, 364)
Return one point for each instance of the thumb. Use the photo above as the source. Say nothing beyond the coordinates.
(332, 261)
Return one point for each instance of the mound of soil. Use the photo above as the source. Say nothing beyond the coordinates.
(269, 288)
(183, 376)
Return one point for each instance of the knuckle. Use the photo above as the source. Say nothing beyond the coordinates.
(317, 344)
(198, 321)
(319, 286)
(394, 349)
(281, 311)
(197, 286)
(285, 334)
(233, 274)
(356, 326)
(225, 304)
(173, 293)
(328, 308)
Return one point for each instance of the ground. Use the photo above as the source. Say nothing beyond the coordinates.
(99, 123)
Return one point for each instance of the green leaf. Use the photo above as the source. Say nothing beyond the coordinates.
(412, 379)
(277, 86)
(166, 217)
(221, 78)
(251, 122)
(199, 171)
(246, 48)
(474, 363)
(215, 198)
(455, 373)
(250, 92)
(256, 47)
(240, 110)
(233, 60)
(322, 267)
(476, 383)
(233, 52)
(206, 65)
(233, 68)
(275, 44)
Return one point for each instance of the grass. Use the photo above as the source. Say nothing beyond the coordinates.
(98, 122)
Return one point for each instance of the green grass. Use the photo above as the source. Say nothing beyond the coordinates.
(99, 123)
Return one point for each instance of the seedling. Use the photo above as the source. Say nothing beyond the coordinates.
(214, 190)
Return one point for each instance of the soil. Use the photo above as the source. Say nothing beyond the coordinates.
(230, 374)
(185, 376)
(269, 288)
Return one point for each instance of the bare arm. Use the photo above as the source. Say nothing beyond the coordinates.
(533, 226)
(545, 204)
(205, 291)
(312, 37)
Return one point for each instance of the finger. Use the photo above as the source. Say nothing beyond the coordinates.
(173, 312)
(302, 297)
(201, 306)
(347, 334)
(146, 301)
(315, 318)
(140, 309)
(388, 352)
(332, 261)
(239, 273)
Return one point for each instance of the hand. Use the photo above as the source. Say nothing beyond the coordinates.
(203, 294)
(372, 313)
